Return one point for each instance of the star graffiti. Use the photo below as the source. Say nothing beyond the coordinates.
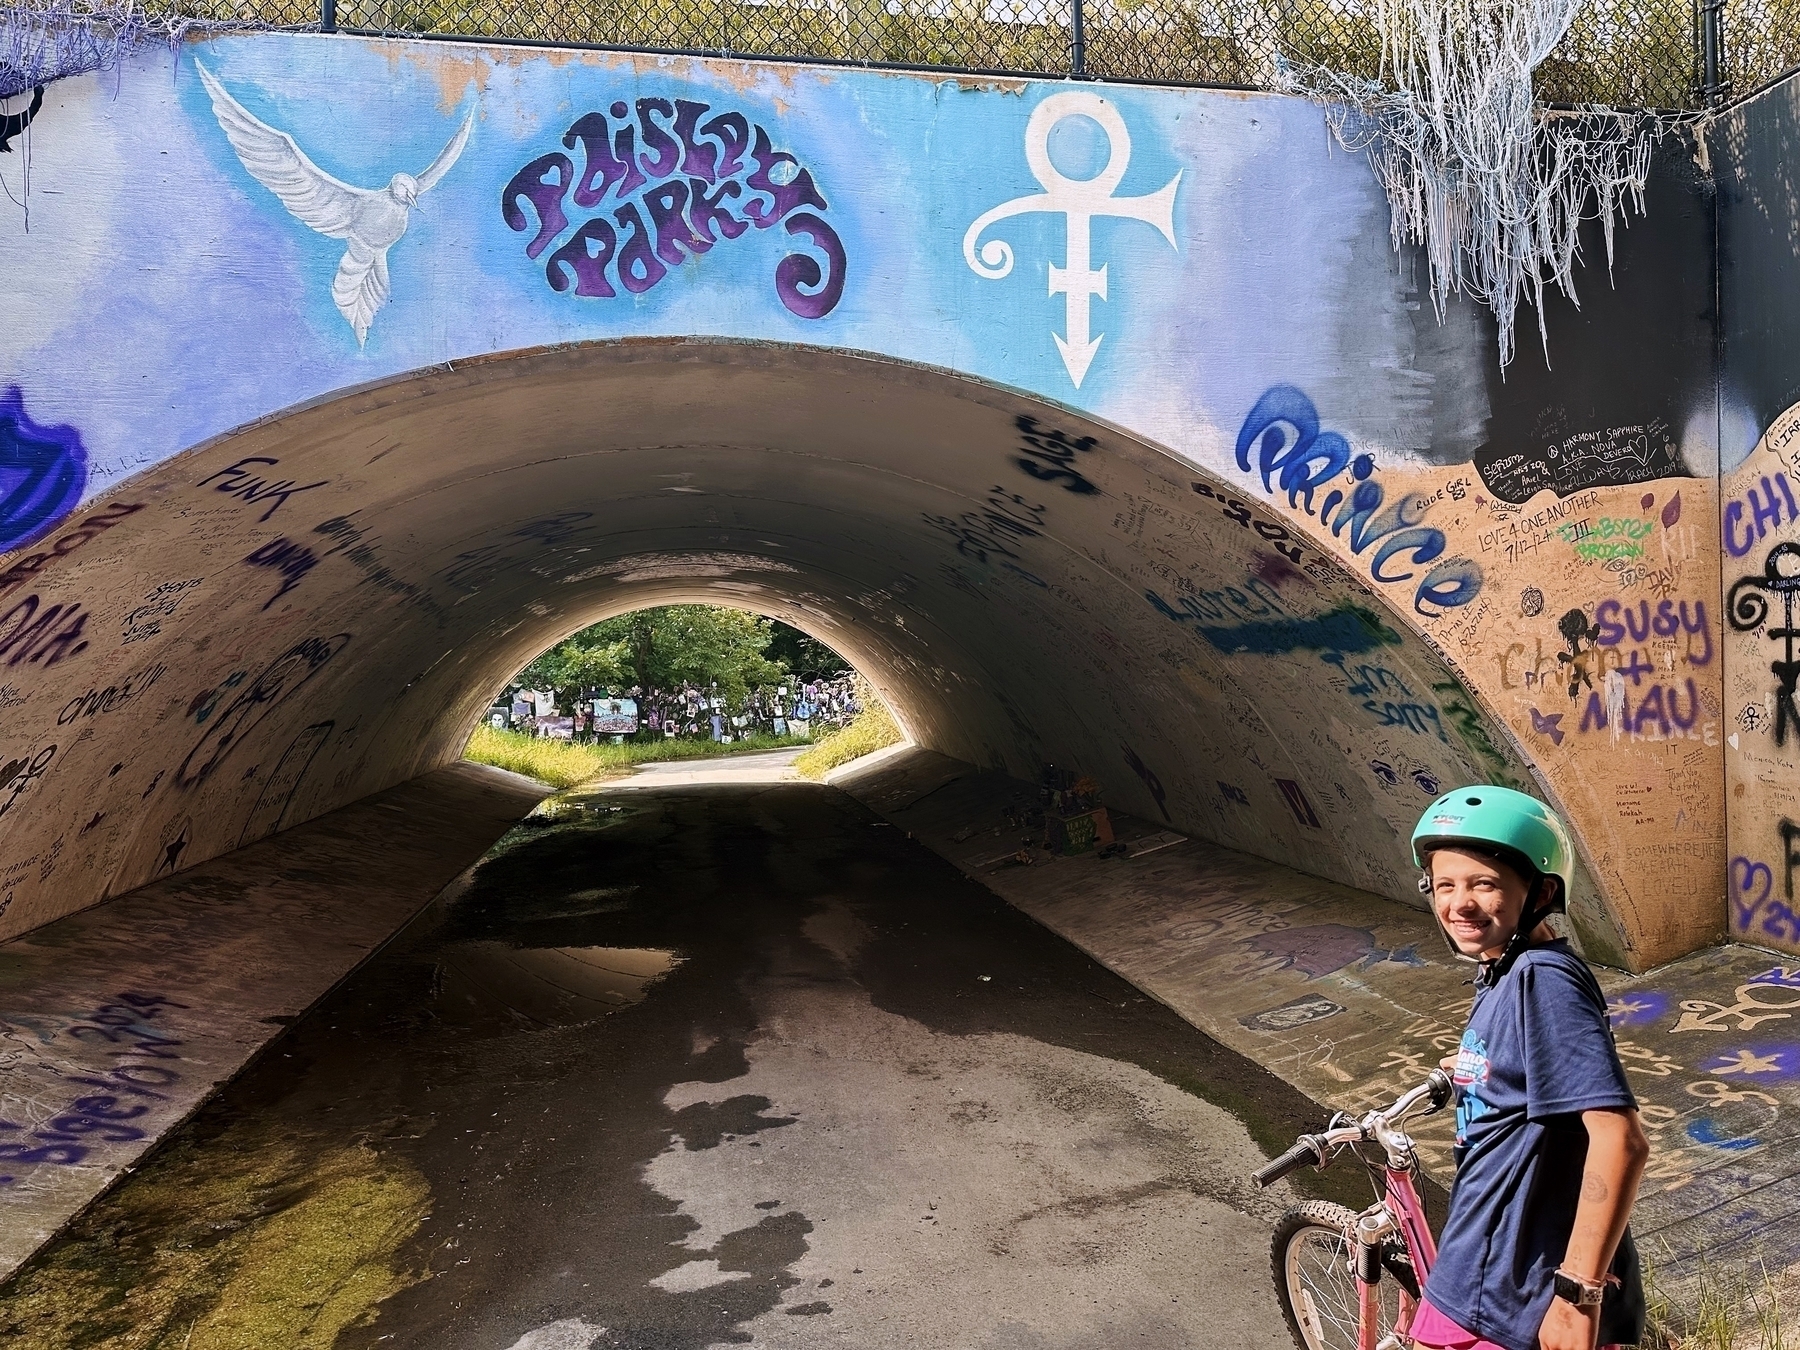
(1748, 1063)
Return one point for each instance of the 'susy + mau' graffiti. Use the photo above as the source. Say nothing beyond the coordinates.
(673, 182)
(1281, 441)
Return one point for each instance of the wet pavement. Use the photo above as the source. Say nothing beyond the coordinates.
(702, 1065)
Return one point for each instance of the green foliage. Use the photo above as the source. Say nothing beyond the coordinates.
(803, 655)
(870, 730)
(663, 648)
(564, 764)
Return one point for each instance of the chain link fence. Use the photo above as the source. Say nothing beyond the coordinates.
(1622, 53)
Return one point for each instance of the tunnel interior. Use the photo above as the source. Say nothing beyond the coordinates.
(327, 600)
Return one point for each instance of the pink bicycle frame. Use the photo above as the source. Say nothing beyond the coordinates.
(1399, 1209)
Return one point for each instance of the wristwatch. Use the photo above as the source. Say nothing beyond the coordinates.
(1572, 1289)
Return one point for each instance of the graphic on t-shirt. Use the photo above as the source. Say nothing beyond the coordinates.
(1471, 1071)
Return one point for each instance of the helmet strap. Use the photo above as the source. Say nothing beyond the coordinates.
(1535, 912)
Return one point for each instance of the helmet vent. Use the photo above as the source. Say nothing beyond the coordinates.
(1473, 801)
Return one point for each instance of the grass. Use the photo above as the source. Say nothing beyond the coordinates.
(1725, 1311)
(870, 730)
(563, 764)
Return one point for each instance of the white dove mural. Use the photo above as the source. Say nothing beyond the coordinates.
(370, 221)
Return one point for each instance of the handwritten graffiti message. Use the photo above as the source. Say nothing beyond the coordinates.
(28, 568)
(292, 561)
(1658, 713)
(1255, 599)
(97, 702)
(1601, 457)
(1766, 512)
(32, 633)
(665, 186)
(278, 681)
(987, 536)
(18, 775)
(103, 1116)
(1386, 697)
(159, 603)
(1282, 442)
(247, 484)
(42, 471)
(1753, 1007)
(1670, 619)
(1276, 536)
(1608, 537)
(1747, 605)
(1048, 455)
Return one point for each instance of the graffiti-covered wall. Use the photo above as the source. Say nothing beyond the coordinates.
(1436, 571)
(1753, 148)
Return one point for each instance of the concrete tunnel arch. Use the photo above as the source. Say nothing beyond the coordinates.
(321, 604)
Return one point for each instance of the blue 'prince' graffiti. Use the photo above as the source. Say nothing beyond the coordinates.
(687, 175)
(1294, 456)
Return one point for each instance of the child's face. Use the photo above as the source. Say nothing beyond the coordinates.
(1477, 900)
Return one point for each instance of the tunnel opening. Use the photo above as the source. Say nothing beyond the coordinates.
(340, 592)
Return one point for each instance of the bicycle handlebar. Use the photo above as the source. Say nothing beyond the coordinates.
(1315, 1148)
(1302, 1153)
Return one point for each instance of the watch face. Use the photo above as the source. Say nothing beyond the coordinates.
(1572, 1290)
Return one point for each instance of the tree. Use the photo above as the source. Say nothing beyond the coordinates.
(661, 649)
(804, 655)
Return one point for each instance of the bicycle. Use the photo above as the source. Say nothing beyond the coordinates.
(1329, 1263)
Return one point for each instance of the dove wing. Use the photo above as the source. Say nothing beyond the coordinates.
(447, 156)
(273, 158)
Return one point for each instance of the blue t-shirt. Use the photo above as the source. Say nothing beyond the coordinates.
(1537, 1052)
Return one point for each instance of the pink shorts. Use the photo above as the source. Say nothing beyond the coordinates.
(1431, 1330)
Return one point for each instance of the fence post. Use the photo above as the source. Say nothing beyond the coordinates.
(328, 16)
(1713, 86)
(1077, 41)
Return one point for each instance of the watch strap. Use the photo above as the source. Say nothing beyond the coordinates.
(1582, 1293)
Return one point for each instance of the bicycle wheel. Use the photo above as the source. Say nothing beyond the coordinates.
(1315, 1277)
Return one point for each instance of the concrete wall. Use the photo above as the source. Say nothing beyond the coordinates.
(1102, 424)
(1753, 148)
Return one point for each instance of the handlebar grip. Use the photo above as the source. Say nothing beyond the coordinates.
(1443, 1088)
(1302, 1153)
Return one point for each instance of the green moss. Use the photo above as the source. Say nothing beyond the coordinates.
(245, 1241)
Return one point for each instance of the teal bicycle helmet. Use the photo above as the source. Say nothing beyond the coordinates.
(1521, 830)
(1518, 829)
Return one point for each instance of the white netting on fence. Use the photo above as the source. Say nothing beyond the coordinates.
(1492, 186)
(48, 41)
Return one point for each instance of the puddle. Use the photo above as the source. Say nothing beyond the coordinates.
(576, 905)
(574, 810)
(545, 986)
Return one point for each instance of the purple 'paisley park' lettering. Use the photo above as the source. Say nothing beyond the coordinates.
(667, 185)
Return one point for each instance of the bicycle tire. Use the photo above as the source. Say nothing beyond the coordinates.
(1311, 1259)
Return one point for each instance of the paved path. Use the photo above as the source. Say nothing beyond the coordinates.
(1352, 998)
(699, 1066)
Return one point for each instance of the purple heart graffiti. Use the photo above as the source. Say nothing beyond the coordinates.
(666, 185)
